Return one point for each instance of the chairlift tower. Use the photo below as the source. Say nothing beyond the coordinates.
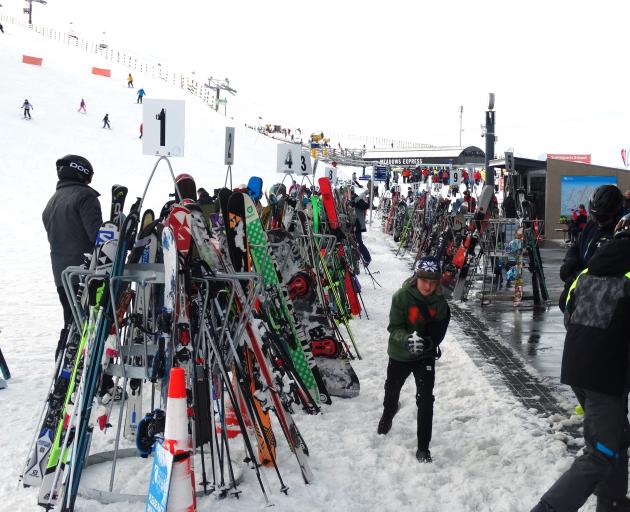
(29, 10)
(218, 85)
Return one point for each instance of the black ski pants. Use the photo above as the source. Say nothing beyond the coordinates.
(424, 375)
(603, 467)
(365, 253)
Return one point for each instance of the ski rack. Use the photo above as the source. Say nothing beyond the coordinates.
(492, 242)
(145, 274)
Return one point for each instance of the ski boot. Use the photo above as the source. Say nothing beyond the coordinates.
(385, 423)
(424, 456)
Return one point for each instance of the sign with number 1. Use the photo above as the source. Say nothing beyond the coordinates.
(163, 127)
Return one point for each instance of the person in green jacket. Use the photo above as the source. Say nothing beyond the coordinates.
(418, 320)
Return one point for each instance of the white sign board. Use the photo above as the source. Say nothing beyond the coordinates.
(306, 169)
(331, 174)
(163, 127)
(456, 176)
(289, 158)
(229, 145)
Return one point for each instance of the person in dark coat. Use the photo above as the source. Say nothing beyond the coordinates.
(72, 219)
(595, 365)
(605, 209)
(418, 319)
(361, 206)
(106, 122)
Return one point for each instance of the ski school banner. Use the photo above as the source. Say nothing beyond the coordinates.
(581, 159)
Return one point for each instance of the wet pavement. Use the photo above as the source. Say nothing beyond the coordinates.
(536, 333)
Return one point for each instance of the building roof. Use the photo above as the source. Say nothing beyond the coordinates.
(426, 155)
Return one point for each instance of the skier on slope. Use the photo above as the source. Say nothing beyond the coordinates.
(595, 364)
(106, 122)
(418, 319)
(605, 208)
(141, 95)
(72, 219)
(26, 106)
(82, 106)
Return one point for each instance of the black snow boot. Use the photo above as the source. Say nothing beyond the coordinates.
(620, 505)
(385, 423)
(424, 456)
(61, 344)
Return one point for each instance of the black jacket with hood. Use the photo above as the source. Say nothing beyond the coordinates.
(597, 318)
(72, 219)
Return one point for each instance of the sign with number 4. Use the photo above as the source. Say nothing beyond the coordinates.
(163, 127)
(289, 158)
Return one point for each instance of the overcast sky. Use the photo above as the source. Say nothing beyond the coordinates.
(394, 68)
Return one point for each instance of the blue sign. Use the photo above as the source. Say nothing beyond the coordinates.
(160, 481)
(364, 177)
(380, 173)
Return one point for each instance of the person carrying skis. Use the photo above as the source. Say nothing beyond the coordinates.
(72, 219)
(355, 182)
(418, 319)
(605, 208)
(361, 205)
(26, 106)
(106, 122)
(141, 94)
(595, 365)
(82, 106)
(130, 81)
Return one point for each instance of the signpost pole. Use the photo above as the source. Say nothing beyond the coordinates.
(371, 194)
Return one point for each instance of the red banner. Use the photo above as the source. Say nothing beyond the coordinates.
(581, 159)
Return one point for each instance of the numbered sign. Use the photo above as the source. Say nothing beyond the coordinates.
(229, 145)
(331, 174)
(456, 176)
(289, 158)
(306, 169)
(163, 127)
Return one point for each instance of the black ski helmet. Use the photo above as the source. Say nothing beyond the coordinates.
(75, 167)
(605, 203)
(186, 186)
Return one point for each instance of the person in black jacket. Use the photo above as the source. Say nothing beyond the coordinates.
(72, 219)
(361, 205)
(595, 364)
(605, 208)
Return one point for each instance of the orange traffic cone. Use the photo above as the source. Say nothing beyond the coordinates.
(177, 440)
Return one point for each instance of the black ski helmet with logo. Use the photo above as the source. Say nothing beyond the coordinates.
(74, 167)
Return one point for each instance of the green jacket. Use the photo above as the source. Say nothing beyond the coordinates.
(408, 313)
